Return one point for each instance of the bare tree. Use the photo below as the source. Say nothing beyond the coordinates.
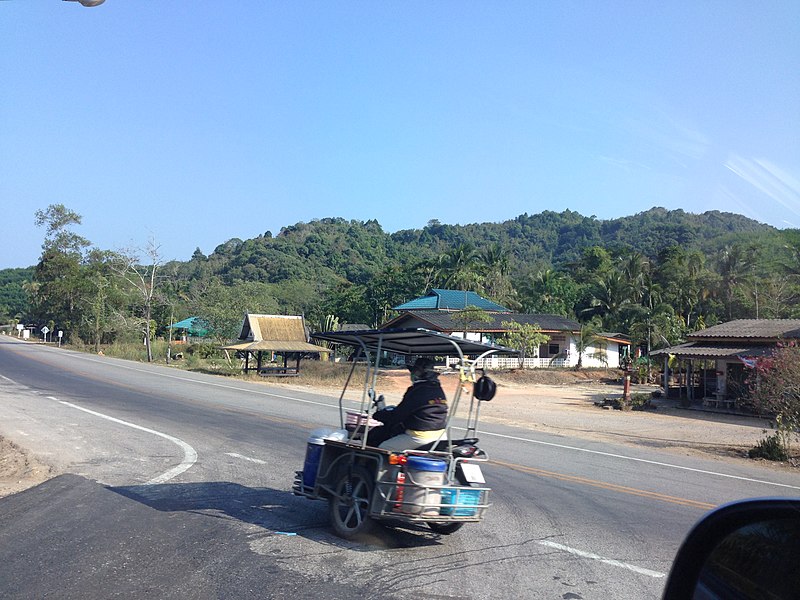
(143, 279)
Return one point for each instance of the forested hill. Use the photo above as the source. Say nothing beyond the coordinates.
(657, 274)
(356, 250)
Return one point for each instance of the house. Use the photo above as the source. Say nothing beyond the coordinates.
(283, 335)
(716, 360)
(440, 311)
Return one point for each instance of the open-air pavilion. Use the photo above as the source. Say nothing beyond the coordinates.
(271, 337)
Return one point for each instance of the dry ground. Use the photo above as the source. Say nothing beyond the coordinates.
(546, 401)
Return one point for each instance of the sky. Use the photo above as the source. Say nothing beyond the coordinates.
(186, 124)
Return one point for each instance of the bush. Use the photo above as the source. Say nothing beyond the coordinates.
(770, 448)
(204, 351)
(774, 386)
(640, 401)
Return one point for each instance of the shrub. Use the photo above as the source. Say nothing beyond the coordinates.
(774, 387)
(203, 351)
(771, 447)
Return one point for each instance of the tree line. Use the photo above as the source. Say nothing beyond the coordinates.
(655, 276)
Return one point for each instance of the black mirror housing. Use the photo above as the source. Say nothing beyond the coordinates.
(745, 549)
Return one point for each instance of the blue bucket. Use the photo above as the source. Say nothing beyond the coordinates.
(420, 463)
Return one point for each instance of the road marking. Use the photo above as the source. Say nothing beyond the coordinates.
(641, 460)
(608, 561)
(607, 486)
(258, 461)
(209, 383)
(189, 454)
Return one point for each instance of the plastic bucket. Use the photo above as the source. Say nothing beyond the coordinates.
(316, 441)
(422, 473)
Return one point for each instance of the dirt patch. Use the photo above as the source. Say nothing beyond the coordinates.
(19, 470)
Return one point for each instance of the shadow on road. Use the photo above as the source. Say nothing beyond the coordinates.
(277, 512)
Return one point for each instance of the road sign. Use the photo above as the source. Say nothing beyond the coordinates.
(60, 333)
(45, 330)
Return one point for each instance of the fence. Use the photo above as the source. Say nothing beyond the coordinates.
(510, 362)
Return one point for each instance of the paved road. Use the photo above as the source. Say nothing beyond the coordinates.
(177, 485)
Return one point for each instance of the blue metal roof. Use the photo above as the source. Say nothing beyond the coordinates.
(438, 299)
(195, 325)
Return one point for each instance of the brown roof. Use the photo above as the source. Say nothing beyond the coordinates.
(274, 333)
(713, 351)
(257, 328)
(751, 329)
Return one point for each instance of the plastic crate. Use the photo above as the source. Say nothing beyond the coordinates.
(463, 502)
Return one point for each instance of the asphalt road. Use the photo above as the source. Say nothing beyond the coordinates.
(178, 485)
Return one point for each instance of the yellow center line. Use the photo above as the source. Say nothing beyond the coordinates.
(606, 486)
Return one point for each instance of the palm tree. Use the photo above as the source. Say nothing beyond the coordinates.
(635, 267)
(459, 268)
(495, 265)
(586, 338)
(732, 265)
(610, 294)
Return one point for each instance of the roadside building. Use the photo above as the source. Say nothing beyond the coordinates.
(712, 366)
(447, 311)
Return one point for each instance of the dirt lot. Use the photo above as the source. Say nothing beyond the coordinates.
(19, 470)
(546, 401)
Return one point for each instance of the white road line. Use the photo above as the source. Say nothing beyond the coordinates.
(608, 561)
(189, 454)
(258, 461)
(209, 383)
(641, 460)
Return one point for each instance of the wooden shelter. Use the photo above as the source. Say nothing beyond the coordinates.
(730, 350)
(283, 335)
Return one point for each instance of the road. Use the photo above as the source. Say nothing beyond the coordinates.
(177, 484)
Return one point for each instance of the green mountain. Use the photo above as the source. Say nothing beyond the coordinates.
(334, 249)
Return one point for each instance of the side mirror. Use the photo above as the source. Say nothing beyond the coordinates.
(744, 550)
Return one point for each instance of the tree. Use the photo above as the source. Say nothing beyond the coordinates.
(523, 337)
(459, 268)
(57, 219)
(143, 281)
(732, 263)
(550, 292)
(775, 389)
(609, 295)
(224, 307)
(495, 264)
(470, 315)
(58, 275)
(586, 338)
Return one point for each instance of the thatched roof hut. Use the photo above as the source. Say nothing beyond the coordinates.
(277, 334)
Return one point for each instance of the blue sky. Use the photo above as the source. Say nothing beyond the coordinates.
(191, 123)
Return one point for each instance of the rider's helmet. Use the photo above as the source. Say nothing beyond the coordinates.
(484, 389)
(422, 368)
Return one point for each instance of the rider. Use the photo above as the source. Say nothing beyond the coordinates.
(419, 418)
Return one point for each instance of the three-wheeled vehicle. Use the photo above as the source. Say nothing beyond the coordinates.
(440, 485)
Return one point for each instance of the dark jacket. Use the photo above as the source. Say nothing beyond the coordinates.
(423, 408)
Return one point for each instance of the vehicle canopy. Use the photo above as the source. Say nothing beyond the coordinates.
(411, 342)
(370, 343)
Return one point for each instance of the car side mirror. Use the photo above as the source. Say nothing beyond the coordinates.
(743, 550)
